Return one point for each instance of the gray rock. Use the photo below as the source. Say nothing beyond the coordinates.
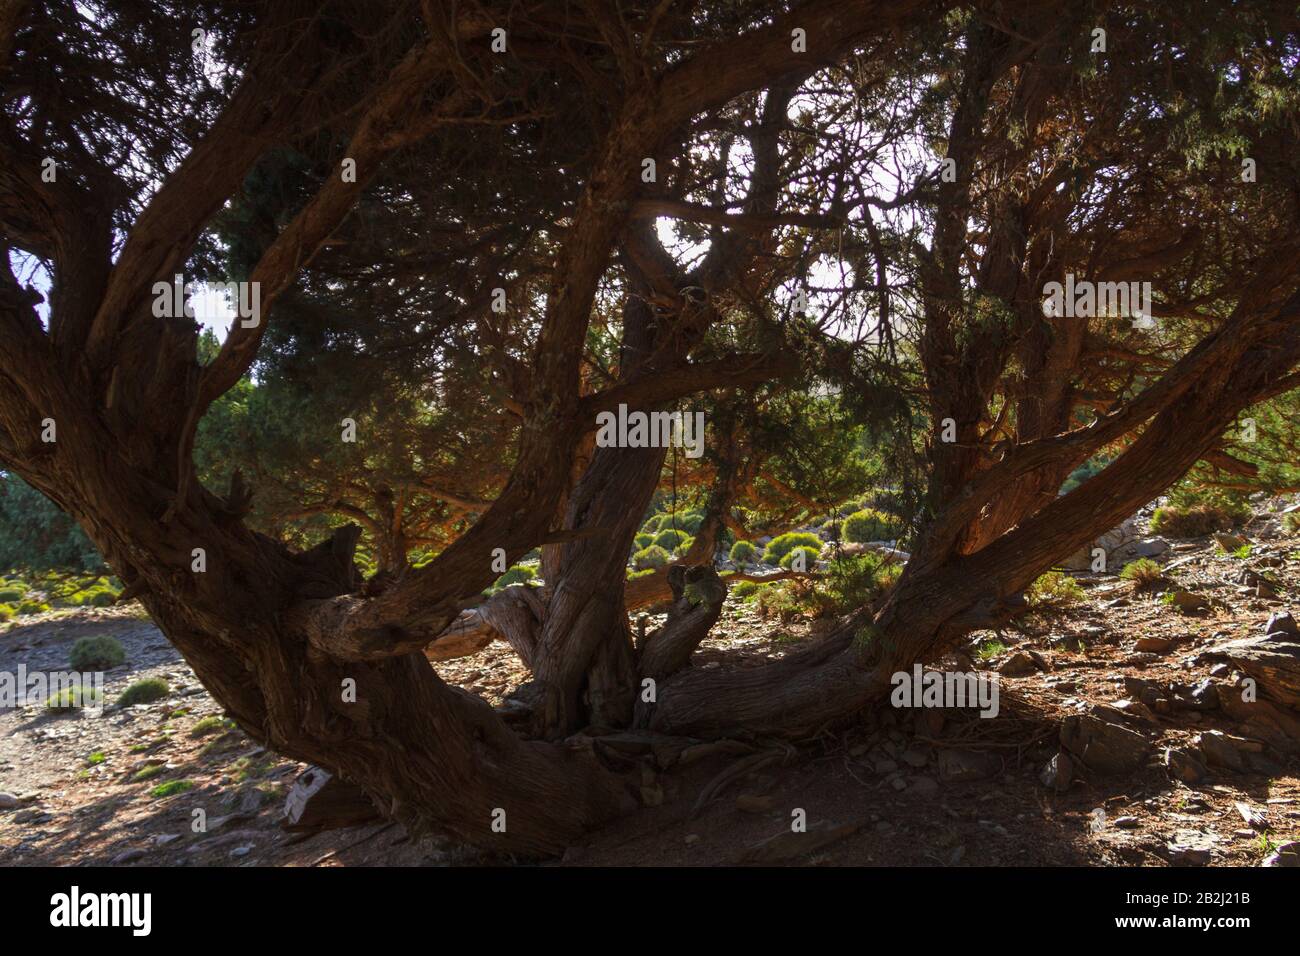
(8, 801)
(1150, 547)
(127, 856)
(1058, 773)
(1224, 750)
(1018, 665)
(1103, 747)
(1281, 622)
(1288, 854)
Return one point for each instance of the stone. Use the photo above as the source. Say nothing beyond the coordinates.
(1224, 750)
(915, 757)
(1229, 542)
(1220, 670)
(1018, 665)
(8, 801)
(1126, 823)
(1153, 644)
(1190, 848)
(1281, 622)
(1255, 818)
(127, 856)
(959, 766)
(1188, 602)
(1288, 854)
(1058, 773)
(1104, 747)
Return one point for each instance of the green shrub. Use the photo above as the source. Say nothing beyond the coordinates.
(643, 541)
(854, 581)
(96, 653)
(210, 725)
(1143, 572)
(684, 545)
(1290, 523)
(103, 598)
(652, 524)
(832, 529)
(649, 558)
(149, 772)
(1054, 589)
(670, 538)
(744, 589)
(6, 612)
(12, 593)
(171, 788)
(689, 522)
(870, 525)
(1194, 521)
(809, 558)
(33, 607)
(70, 698)
(782, 545)
(144, 692)
(517, 574)
(743, 553)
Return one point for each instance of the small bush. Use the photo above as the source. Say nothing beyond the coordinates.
(652, 524)
(782, 545)
(690, 522)
(1054, 589)
(744, 589)
(870, 525)
(832, 528)
(33, 607)
(148, 773)
(1290, 523)
(670, 538)
(103, 598)
(144, 692)
(684, 545)
(6, 612)
(71, 698)
(96, 758)
(96, 654)
(643, 541)
(517, 574)
(650, 558)
(210, 725)
(809, 558)
(12, 593)
(171, 788)
(743, 553)
(1194, 521)
(1143, 572)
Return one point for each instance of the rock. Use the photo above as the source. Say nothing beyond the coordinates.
(1153, 645)
(788, 845)
(32, 815)
(1288, 854)
(127, 856)
(915, 757)
(1255, 818)
(883, 764)
(1187, 602)
(1125, 711)
(318, 799)
(1126, 823)
(1150, 547)
(692, 839)
(923, 786)
(1190, 848)
(8, 801)
(1104, 747)
(1018, 665)
(1224, 750)
(1229, 542)
(1281, 622)
(1220, 670)
(1058, 773)
(1204, 696)
(959, 766)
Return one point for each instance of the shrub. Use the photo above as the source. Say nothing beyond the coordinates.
(210, 725)
(12, 592)
(743, 553)
(809, 558)
(870, 525)
(1054, 589)
(6, 612)
(744, 589)
(651, 557)
(70, 698)
(103, 598)
(652, 524)
(1290, 523)
(832, 528)
(689, 522)
(171, 788)
(855, 580)
(643, 541)
(684, 545)
(1194, 521)
(96, 654)
(782, 545)
(670, 538)
(1143, 572)
(33, 607)
(146, 773)
(144, 692)
(517, 574)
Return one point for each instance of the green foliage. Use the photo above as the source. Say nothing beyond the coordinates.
(743, 553)
(210, 725)
(96, 758)
(171, 788)
(1291, 522)
(149, 772)
(74, 697)
(650, 558)
(1053, 590)
(144, 692)
(809, 558)
(517, 574)
(670, 538)
(1195, 520)
(871, 525)
(643, 541)
(783, 544)
(35, 534)
(743, 589)
(987, 650)
(652, 525)
(6, 612)
(33, 607)
(96, 653)
(1143, 572)
(855, 581)
(12, 592)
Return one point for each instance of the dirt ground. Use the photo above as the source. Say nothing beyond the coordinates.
(938, 789)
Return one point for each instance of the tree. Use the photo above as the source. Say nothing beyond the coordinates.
(313, 152)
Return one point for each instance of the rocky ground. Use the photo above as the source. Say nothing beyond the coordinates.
(1122, 738)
